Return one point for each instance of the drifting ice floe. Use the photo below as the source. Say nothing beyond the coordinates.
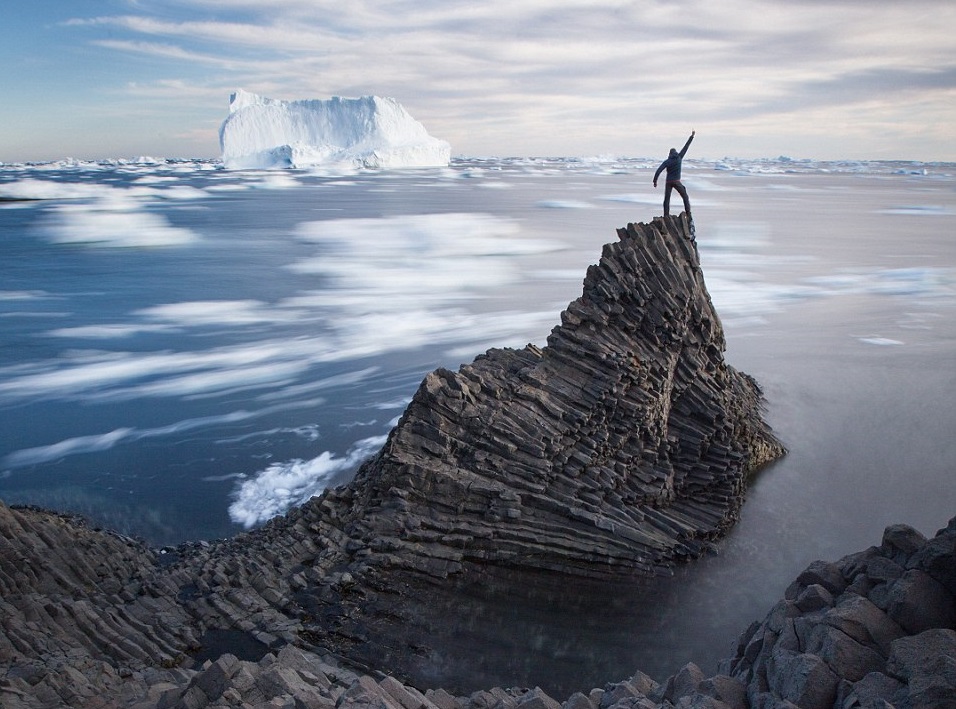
(362, 132)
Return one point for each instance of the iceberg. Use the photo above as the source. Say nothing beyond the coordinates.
(370, 131)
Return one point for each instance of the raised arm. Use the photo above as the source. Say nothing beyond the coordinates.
(687, 144)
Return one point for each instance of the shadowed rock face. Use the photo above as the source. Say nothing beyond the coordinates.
(619, 449)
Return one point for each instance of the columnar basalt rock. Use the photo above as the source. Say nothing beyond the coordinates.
(619, 449)
(876, 628)
(622, 446)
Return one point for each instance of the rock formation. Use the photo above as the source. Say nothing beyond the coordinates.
(619, 449)
(94, 629)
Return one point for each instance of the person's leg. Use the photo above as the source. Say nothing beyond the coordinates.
(667, 198)
(683, 193)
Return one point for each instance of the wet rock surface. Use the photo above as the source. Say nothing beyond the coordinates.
(620, 449)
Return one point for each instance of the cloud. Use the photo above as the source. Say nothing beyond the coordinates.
(570, 76)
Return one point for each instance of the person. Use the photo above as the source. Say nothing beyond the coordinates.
(672, 165)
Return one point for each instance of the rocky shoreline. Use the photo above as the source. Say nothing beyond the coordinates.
(874, 629)
(620, 449)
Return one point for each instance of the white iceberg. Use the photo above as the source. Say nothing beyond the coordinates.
(370, 131)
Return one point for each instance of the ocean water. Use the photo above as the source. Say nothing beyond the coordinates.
(188, 351)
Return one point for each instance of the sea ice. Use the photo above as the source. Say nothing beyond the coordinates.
(370, 131)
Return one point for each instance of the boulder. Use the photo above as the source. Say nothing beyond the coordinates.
(918, 602)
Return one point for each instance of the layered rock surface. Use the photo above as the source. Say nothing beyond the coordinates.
(619, 449)
(874, 629)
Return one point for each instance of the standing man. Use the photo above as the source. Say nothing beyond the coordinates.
(672, 164)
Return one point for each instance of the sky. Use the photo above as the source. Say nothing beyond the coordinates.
(816, 79)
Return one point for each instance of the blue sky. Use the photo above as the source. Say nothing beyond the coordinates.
(823, 79)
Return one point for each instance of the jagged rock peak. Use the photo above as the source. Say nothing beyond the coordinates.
(620, 447)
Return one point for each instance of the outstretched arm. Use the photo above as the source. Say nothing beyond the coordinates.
(659, 171)
(687, 144)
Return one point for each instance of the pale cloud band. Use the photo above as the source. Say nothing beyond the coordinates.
(833, 79)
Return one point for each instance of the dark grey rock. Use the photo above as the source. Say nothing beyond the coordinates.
(643, 683)
(682, 684)
(919, 602)
(820, 573)
(615, 693)
(579, 700)
(872, 691)
(805, 680)
(442, 699)
(902, 540)
(214, 679)
(863, 621)
(730, 690)
(813, 598)
(537, 699)
(846, 657)
(911, 655)
(407, 697)
(936, 559)
(700, 701)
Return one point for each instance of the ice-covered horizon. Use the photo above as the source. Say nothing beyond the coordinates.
(781, 164)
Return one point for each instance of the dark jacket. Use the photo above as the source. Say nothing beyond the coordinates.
(673, 162)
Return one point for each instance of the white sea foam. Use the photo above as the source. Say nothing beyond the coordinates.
(557, 274)
(297, 390)
(35, 189)
(737, 237)
(421, 254)
(113, 221)
(71, 446)
(274, 181)
(220, 382)
(109, 331)
(741, 293)
(922, 281)
(106, 441)
(564, 204)
(122, 374)
(23, 295)
(635, 198)
(924, 210)
(699, 184)
(284, 485)
(204, 313)
(170, 317)
(919, 321)
(392, 405)
(267, 363)
(878, 340)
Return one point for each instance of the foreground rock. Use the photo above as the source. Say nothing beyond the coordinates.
(875, 629)
(620, 449)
